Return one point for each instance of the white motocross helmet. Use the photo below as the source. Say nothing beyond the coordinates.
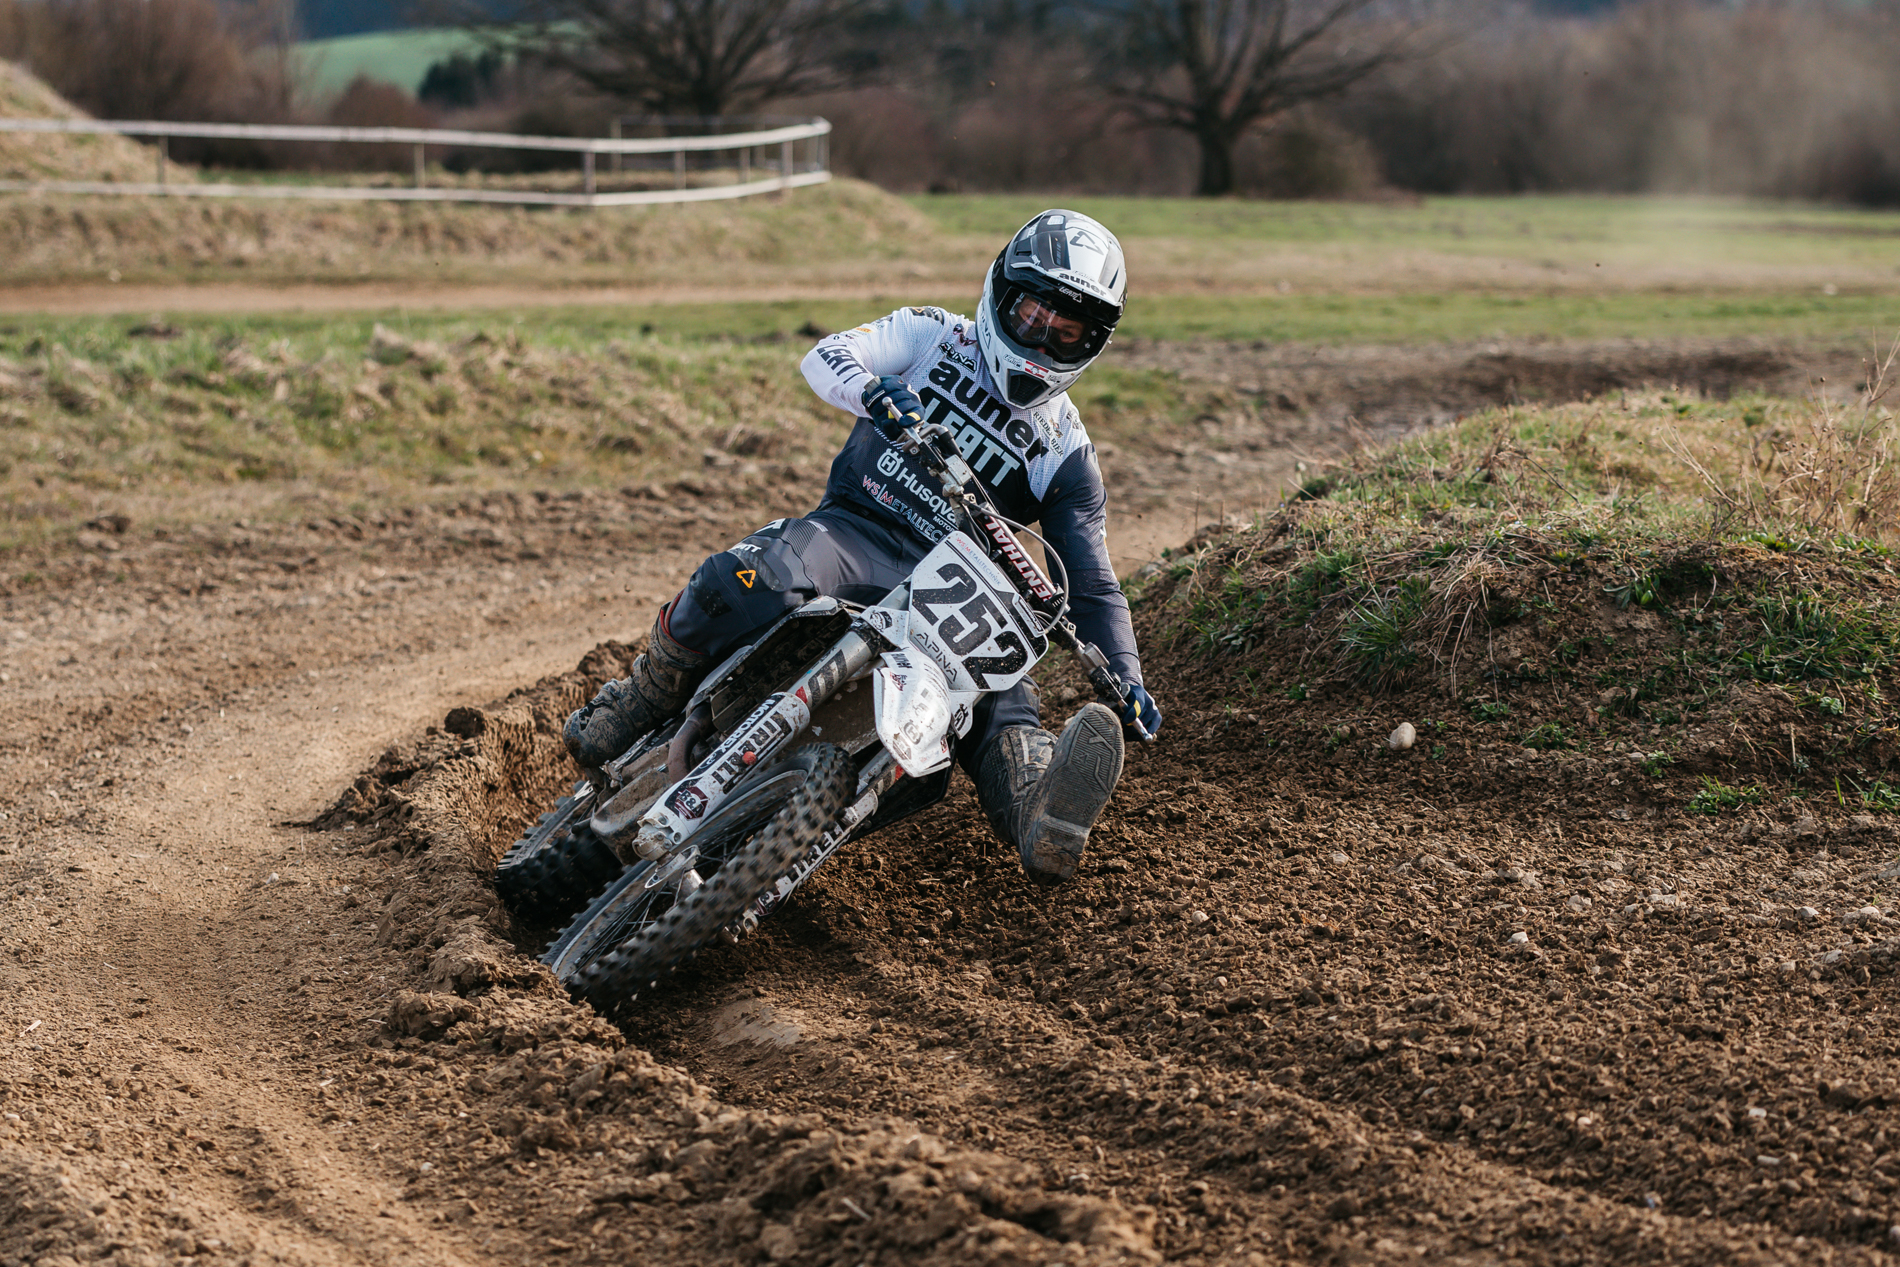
(1049, 305)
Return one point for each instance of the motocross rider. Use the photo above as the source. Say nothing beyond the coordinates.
(1000, 382)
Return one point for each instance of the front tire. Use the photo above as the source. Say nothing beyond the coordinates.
(633, 936)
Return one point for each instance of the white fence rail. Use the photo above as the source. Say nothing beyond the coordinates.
(784, 171)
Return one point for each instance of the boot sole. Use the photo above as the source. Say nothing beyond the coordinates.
(1083, 771)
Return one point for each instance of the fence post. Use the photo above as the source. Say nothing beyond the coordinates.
(419, 164)
(164, 149)
(587, 167)
(745, 164)
(613, 130)
(679, 169)
(785, 160)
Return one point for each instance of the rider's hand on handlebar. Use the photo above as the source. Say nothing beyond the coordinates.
(891, 406)
(1137, 706)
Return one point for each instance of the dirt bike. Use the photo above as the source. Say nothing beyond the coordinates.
(836, 721)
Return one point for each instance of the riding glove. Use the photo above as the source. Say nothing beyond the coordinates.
(887, 395)
(1140, 706)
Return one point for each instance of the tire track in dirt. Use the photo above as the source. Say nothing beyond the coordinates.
(157, 936)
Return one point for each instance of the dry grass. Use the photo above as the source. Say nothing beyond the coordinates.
(44, 239)
(25, 156)
(1395, 563)
(1830, 469)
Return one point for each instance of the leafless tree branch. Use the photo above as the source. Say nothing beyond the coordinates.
(1217, 68)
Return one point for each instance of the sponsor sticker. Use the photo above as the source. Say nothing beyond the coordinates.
(746, 576)
(924, 643)
(688, 801)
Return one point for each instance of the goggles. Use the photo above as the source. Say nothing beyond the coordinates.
(1032, 321)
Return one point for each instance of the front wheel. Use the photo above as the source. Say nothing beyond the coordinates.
(651, 921)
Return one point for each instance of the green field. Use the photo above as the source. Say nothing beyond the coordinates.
(396, 57)
(1336, 318)
(1579, 232)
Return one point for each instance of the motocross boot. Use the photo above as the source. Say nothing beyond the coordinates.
(662, 680)
(1043, 794)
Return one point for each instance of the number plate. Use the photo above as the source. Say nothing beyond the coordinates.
(967, 617)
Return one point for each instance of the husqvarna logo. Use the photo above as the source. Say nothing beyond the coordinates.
(888, 462)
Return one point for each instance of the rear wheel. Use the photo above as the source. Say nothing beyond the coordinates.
(652, 920)
(558, 864)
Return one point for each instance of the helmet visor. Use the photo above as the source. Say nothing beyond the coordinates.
(1032, 321)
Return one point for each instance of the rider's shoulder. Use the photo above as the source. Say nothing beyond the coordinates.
(925, 312)
(1060, 423)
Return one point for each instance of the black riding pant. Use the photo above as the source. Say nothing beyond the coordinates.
(832, 551)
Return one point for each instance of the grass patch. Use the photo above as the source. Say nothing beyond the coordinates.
(93, 410)
(1558, 230)
(1882, 796)
(1461, 315)
(1717, 797)
(1549, 737)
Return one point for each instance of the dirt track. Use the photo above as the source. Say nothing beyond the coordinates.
(1279, 1018)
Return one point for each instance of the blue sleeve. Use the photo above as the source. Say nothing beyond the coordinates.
(1075, 521)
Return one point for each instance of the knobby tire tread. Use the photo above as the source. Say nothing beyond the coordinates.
(617, 978)
(556, 868)
(578, 926)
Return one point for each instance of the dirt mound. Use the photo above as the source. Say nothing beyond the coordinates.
(75, 156)
(545, 1079)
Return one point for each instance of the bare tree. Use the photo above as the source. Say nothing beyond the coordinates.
(1218, 68)
(703, 57)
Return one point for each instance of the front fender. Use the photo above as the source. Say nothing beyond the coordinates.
(917, 713)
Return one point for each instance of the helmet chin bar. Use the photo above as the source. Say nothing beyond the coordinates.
(1025, 390)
